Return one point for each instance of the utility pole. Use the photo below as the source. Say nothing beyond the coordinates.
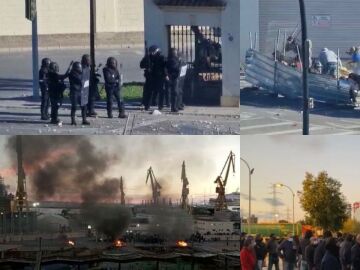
(305, 60)
(31, 14)
(92, 37)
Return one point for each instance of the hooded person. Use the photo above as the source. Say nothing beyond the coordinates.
(330, 260)
(44, 88)
(79, 91)
(113, 87)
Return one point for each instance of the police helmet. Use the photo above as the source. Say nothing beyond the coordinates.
(54, 67)
(45, 62)
(154, 50)
(174, 52)
(85, 60)
(111, 62)
(77, 67)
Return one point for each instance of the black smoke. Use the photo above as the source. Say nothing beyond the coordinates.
(77, 169)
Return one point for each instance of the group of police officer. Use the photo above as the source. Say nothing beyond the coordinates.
(162, 76)
(83, 89)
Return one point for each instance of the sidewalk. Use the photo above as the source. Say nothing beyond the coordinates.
(19, 114)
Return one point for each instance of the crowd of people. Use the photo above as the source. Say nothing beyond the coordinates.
(163, 86)
(328, 252)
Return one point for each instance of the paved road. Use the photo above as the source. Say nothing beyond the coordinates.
(262, 114)
(19, 113)
(18, 65)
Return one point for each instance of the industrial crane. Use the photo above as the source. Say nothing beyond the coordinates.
(155, 186)
(221, 182)
(122, 193)
(21, 195)
(185, 188)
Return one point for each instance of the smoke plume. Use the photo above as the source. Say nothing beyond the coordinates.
(60, 165)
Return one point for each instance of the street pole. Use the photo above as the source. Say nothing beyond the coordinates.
(305, 68)
(293, 204)
(92, 37)
(35, 56)
(251, 171)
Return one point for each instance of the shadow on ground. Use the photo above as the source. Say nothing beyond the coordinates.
(258, 98)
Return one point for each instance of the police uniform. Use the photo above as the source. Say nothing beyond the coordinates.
(56, 90)
(113, 87)
(44, 88)
(79, 91)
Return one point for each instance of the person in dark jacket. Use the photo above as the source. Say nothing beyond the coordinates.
(79, 91)
(330, 261)
(310, 253)
(320, 250)
(304, 242)
(288, 251)
(355, 254)
(86, 67)
(44, 88)
(173, 73)
(260, 251)
(113, 87)
(154, 65)
(345, 252)
(56, 89)
(272, 250)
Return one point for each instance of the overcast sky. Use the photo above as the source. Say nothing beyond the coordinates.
(204, 157)
(285, 159)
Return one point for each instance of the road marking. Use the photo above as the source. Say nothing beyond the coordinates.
(266, 125)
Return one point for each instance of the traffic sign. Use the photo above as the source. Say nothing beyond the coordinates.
(30, 9)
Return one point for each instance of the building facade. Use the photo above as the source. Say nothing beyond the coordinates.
(330, 23)
(72, 17)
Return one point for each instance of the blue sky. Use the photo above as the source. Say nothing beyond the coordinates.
(285, 159)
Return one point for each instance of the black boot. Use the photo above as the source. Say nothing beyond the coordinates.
(73, 121)
(122, 111)
(83, 115)
(109, 113)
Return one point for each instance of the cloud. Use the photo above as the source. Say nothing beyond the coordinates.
(272, 202)
(246, 197)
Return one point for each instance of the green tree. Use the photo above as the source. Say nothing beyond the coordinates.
(351, 226)
(323, 202)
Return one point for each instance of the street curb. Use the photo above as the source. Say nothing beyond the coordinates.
(79, 47)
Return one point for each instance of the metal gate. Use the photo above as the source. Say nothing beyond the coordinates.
(200, 47)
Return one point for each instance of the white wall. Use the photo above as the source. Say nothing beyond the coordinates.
(230, 28)
(70, 16)
(156, 33)
(249, 22)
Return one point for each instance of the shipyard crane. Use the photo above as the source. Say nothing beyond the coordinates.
(221, 182)
(21, 195)
(185, 188)
(122, 193)
(155, 186)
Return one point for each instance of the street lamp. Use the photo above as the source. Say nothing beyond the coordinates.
(293, 204)
(251, 171)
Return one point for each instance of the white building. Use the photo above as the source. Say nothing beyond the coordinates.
(161, 15)
(331, 24)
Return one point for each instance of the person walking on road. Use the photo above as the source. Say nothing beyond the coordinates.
(247, 255)
(330, 260)
(272, 250)
(345, 252)
(260, 251)
(355, 254)
(288, 250)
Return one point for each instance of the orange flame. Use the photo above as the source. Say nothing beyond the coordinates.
(181, 243)
(118, 243)
(71, 243)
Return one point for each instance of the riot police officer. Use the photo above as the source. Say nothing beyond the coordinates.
(56, 89)
(113, 87)
(44, 87)
(154, 65)
(173, 72)
(79, 91)
(86, 65)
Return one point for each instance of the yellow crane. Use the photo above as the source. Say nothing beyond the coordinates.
(221, 182)
(155, 186)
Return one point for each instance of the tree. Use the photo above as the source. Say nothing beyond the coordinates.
(351, 226)
(323, 201)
